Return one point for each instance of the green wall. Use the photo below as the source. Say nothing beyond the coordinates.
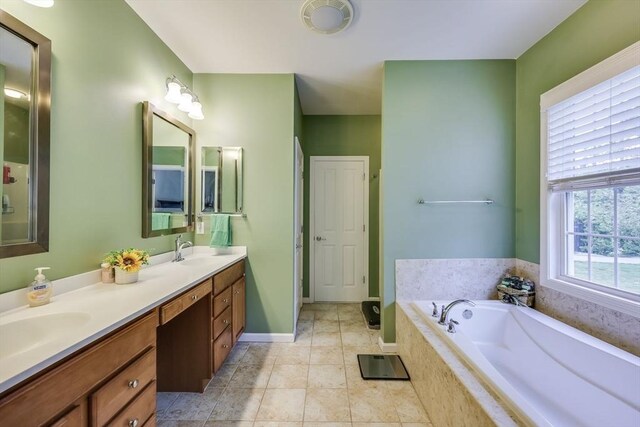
(256, 112)
(16, 134)
(106, 61)
(593, 33)
(448, 133)
(344, 136)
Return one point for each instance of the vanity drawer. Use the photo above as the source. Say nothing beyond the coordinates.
(73, 418)
(226, 278)
(221, 322)
(221, 302)
(184, 301)
(221, 349)
(138, 411)
(51, 393)
(115, 394)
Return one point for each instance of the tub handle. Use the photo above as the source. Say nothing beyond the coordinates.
(451, 328)
(435, 310)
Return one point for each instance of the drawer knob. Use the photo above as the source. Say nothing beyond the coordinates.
(226, 300)
(133, 422)
(225, 321)
(225, 346)
(133, 383)
(193, 297)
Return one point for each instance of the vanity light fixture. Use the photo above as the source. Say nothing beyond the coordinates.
(179, 93)
(40, 3)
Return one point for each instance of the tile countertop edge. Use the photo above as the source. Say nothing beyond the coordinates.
(13, 379)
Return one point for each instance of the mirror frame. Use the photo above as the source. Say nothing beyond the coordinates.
(40, 126)
(239, 176)
(148, 111)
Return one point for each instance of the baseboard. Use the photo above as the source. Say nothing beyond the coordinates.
(250, 337)
(374, 298)
(306, 300)
(389, 347)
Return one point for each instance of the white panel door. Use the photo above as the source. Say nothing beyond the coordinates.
(298, 225)
(338, 235)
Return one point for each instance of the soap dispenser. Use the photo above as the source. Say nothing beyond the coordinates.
(40, 290)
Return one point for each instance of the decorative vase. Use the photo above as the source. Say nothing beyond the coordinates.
(125, 277)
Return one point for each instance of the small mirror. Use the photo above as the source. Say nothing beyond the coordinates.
(25, 68)
(221, 180)
(167, 180)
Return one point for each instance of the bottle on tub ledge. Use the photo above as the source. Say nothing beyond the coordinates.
(40, 290)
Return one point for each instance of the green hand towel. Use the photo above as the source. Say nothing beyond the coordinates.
(160, 221)
(220, 231)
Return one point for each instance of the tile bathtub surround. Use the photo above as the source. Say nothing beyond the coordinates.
(313, 382)
(451, 394)
(474, 278)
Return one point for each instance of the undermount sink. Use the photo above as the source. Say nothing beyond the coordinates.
(26, 334)
(196, 261)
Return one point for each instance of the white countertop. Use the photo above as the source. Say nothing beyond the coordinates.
(80, 316)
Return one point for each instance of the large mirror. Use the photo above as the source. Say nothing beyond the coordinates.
(167, 185)
(25, 103)
(221, 180)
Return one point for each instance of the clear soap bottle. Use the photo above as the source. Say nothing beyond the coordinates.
(40, 290)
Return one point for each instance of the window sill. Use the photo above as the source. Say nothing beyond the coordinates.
(623, 305)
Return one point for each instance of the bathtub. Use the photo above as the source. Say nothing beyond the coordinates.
(547, 372)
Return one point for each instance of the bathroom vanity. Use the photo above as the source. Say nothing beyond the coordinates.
(176, 343)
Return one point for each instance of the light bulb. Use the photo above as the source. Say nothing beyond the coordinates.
(185, 103)
(12, 93)
(196, 111)
(173, 93)
(40, 3)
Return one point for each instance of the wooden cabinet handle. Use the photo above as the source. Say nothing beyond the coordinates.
(133, 422)
(225, 346)
(194, 297)
(226, 300)
(133, 383)
(225, 321)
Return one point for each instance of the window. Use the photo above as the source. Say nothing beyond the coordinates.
(590, 191)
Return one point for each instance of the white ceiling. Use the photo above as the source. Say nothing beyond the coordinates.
(342, 73)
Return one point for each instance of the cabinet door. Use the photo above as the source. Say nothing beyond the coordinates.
(238, 302)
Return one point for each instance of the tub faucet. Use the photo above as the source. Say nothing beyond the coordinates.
(445, 311)
(180, 245)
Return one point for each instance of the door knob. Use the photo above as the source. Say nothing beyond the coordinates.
(298, 246)
(318, 238)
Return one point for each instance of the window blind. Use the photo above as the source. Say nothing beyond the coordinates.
(596, 133)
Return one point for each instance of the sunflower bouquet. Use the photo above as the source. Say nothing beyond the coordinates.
(130, 260)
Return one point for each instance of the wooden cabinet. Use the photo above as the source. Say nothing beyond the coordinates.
(61, 396)
(238, 306)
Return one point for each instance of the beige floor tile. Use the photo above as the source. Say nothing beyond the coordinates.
(277, 424)
(326, 326)
(193, 406)
(326, 339)
(325, 424)
(223, 376)
(355, 381)
(374, 335)
(351, 352)
(321, 307)
(367, 405)
(327, 405)
(303, 339)
(346, 307)
(351, 315)
(305, 325)
(289, 376)
(377, 425)
(251, 376)
(326, 356)
(353, 327)
(179, 423)
(327, 376)
(228, 424)
(259, 355)
(355, 338)
(238, 404)
(237, 353)
(294, 355)
(282, 405)
(164, 401)
(427, 424)
(306, 315)
(408, 405)
(326, 315)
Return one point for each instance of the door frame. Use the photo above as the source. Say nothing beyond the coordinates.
(313, 160)
(298, 222)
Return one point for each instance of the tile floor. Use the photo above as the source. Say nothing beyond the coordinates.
(314, 382)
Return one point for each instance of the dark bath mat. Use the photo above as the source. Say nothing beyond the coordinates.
(371, 311)
(382, 367)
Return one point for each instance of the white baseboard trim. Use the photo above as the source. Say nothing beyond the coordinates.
(250, 337)
(374, 298)
(389, 347)
(306, 300)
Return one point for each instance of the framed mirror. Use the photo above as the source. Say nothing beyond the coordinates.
(25, 105)
(221, 180)
(167, 168)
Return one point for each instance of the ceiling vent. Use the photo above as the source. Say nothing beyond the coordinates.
(327, 16)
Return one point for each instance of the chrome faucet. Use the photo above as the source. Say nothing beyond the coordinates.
(445, 310)
(180, 245)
